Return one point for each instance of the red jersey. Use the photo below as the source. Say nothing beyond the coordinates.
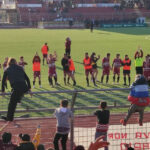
(117, 63)
(68, 44)
(105, 63)
(87, 63)
(51, 63)
(36, 59)
(146, 69)
(22, 64)
(45, 49)
(5, 65)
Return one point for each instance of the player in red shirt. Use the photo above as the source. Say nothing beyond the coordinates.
(45, 50)
(117, 63)
(22, 63)
(36, 69)
(88, 69)
(106, 68)
(68, 46)
(146, 69)
(52, 68)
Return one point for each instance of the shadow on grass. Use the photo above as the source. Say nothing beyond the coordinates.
(131, 31)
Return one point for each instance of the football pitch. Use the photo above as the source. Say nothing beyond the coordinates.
(26, 42)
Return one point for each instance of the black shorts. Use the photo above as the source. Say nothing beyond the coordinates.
(126, 72)
(139, 70)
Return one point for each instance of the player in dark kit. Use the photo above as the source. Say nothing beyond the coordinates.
(94, 60)
(20, 84)
(67, 72)
(106, 68)
(52, 68)
(36, 69)
(68, 46)
(88, 69)
(22, 63)
(117, 63)
(45, 50)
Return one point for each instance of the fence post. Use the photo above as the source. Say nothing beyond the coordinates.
(72, 121)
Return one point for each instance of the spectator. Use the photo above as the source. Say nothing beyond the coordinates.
(79, 147)
(40, 147)
(25, 143)
(139, 98)
(103, 121)
(5, 143)
(63, 127)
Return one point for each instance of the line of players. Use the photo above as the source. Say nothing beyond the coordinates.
(90, 66)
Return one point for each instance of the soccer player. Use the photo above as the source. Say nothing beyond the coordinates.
(68, 46)
(20, 84)
(22, 63)
(106, 67)
(65, 64)
(72, 71)
(126, 63)
(139, 61)
(117, 63)
(94, 60)
(88, 69)
(52, 68)
(45, 50)
(146, 69)
(36, 69)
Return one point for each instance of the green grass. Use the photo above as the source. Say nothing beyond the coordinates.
(18, 42)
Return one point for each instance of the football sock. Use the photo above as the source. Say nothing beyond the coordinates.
(107, 78)
(114, 78)
(118, 79)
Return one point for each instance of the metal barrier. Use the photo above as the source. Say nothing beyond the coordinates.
(83, 103)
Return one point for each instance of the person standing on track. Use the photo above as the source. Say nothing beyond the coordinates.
(139, 61)
(117, 62)
(45, 50)
(36, 69)
(88, 69)
(20, 84)
(68, 46)
(103, 116)
(62, 114)
(126, 63)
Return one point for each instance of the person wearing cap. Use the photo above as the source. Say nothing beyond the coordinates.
(5, 142)
(20, 85)
(139, 98)
(102, 126)
(139, 61)
(25, 143)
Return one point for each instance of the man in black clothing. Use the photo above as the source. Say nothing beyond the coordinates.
(103, 116)
(20, 84)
